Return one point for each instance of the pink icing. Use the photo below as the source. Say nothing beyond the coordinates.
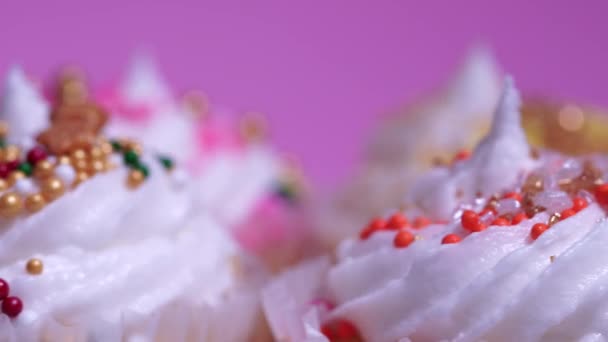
(111, 99)
(274, 223)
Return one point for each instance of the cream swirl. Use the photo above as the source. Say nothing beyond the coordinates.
(118, 261)
(502, 282)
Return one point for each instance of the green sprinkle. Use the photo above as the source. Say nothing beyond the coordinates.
(167, 162)
(144, 169)
(25, 168)
(286, 192)
(116, 146)
(2, 143)
(131, 158)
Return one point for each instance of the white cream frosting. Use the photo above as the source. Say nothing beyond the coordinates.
(168, 129)
(403, 147)
(494, 285)
(136, 265)
(229, 182)
(232, 183)
(22, 106)
(144, 84)
(497, 162)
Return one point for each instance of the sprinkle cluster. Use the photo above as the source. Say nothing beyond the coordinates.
(11, 305)
(510, 208)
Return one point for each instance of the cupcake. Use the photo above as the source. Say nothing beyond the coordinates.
(411, 141)
(236, 173)
(99, 238)
(443, 128)
(508, 244)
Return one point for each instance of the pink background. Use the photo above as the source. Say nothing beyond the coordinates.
(323, 71)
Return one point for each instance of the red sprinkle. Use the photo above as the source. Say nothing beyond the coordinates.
(567, 213)
(488, 210)
(515, 195)
(12, 306)
(397, 221)
(4, 289)
(470, 221)
(537, 230)
(518, 218)
(403, 239)
(462, 155)
(501, 221)
(36, 154)
(328, 331)
(601, 193)
(340, 330)
(346, 330)
(13, 165)
(373, 226)
(4, 170)
(420, 222)
(579, 203)
(450, 238)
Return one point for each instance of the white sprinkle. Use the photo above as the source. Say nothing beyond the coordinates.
(25, 186)
(66, 173)
(180, 177)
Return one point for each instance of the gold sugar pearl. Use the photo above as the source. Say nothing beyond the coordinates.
(96, 153)
(109, 166)
(78, 155)
(34, 202)
(3, 129)
(3, 184)
(11, 153)
(132, 146)
(253, 127)
(52, 188)
(198, 103)
(43, 169)
(135, 178)
(96, 166)
(10, 204)
(81, 176)
(554, 218)
(34, 266)
(106, 148)
(14, 176)
(80, 165)
(64, 160)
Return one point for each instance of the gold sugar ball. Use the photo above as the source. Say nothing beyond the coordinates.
(198, 103)
(3, 129)
(10, 204)
(81, 165)
(43, 169)
(96, 166)
(78, 154)
(34, 266)
(81, 176)
(34, 202)
(3, 184)
(135, 178)
(253, 127)
(96, 153)
(14, 176)
(132, 146)
(11, 152)
(64, 160)
(52, 188)
(106, 148)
